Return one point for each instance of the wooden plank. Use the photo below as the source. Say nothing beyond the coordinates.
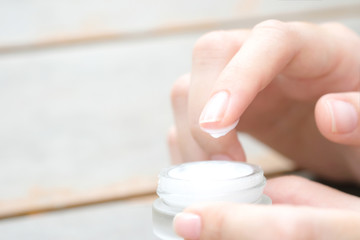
(32, 24)
(86, 117)
(112, 221)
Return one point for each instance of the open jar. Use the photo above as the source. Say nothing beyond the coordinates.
(206, 181)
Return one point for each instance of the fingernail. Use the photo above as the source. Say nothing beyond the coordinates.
(214, 110)
(216, 133)
(344, 117)
(220, 157)
(188, 225)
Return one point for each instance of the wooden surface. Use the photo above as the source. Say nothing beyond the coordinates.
(84, 103)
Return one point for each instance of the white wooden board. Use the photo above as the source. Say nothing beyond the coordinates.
(34, 22)
(122, 220)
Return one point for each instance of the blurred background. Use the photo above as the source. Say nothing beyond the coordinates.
(85, 109)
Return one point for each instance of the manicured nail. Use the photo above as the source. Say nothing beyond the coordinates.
(344, 117)
(214, 110)
(216, 133)
(220, 157)
(188, 225)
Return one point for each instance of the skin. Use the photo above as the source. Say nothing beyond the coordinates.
(283, 81)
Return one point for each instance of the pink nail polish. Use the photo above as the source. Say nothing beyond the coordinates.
(214, 110)
(188, 225)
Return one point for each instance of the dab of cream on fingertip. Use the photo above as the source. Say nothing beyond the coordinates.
(216, 133)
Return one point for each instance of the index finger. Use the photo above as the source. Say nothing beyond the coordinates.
(271, 48)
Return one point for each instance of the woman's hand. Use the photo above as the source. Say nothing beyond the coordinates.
(294, 86)
(313, 212)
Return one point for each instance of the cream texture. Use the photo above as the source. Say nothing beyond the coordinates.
(216, 133)
(213, 170)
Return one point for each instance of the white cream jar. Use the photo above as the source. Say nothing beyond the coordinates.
(189, 183)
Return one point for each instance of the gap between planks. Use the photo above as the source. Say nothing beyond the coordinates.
(320, 14)
(40, 201)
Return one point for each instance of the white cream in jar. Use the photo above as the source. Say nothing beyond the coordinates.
(195, 182)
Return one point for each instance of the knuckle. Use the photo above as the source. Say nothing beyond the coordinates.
(211, 41)
(220, 231)
(287, 224)
(294, 229)
(335, 26)
(342, 30)
(274, 28)
(284, 232)
(219, 217)
(272, 25)
(180, 88)
(172, 136)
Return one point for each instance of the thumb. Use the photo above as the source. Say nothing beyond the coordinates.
(228, 221)
(337, 117)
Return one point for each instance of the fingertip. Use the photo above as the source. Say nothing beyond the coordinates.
(227, 144)
(187, 225)
(337, 117)
(344, 117)
(218, 132)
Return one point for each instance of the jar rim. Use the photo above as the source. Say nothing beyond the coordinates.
(256, 170)
(249, 185)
